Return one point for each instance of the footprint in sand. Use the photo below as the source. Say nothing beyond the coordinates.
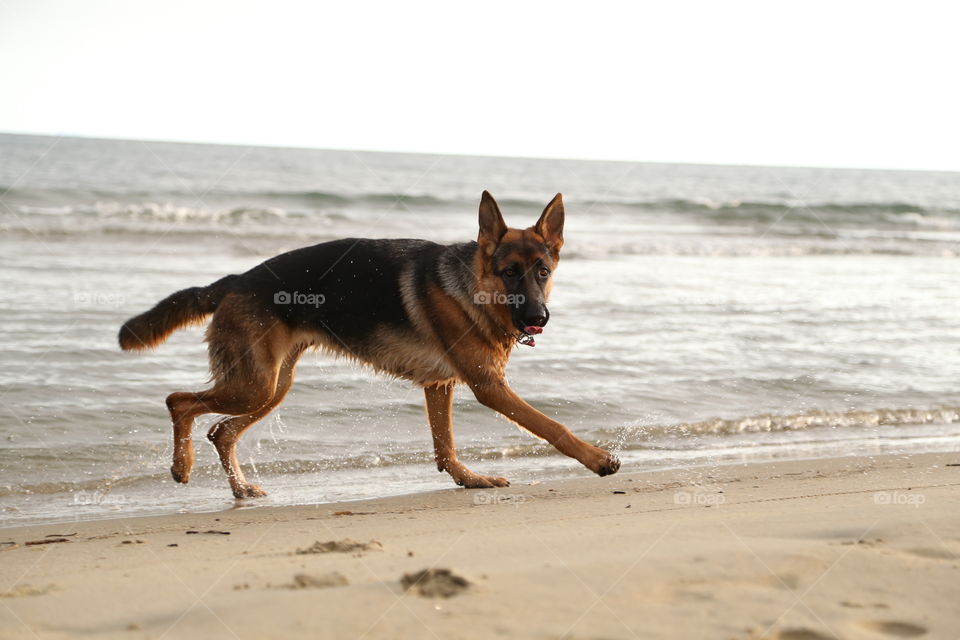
(27, 590)
(433, 583)
(318, 581)
(934, 554)
(894, 628)
(341, 546)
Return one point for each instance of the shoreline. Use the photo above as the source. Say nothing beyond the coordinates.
(848, 547)
(773, 453)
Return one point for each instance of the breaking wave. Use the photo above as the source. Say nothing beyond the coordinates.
(769, 423)
(907, 213)
(622, 439)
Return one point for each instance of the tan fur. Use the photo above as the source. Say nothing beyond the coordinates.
(451, 339)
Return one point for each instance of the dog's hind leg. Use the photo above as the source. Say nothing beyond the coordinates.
(247, 347)
(226, 433)
(439, 413)
(184, 406)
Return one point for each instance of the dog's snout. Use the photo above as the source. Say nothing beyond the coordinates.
(537, 320)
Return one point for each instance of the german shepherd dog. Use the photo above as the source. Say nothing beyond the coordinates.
(432, 314)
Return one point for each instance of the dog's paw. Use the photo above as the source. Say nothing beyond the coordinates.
(483, 482)
(180, 474)
(609, 465)
(469, 480)
(602, 463)
(248, 491)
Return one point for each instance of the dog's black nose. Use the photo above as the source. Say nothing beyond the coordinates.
(536, 321)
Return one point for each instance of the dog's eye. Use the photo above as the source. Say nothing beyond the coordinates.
(510, 272)
(544, 273)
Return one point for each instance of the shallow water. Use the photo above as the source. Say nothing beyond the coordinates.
(691, 305)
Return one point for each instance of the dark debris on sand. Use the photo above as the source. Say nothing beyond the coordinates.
(341, 546)
(434, 583)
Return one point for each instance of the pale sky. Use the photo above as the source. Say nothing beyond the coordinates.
(861, 84)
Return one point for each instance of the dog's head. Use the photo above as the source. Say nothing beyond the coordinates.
(518, 264)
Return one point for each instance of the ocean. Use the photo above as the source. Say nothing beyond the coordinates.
(701, 315)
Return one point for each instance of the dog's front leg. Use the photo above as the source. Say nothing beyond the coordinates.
(439, 406)
(501, 398)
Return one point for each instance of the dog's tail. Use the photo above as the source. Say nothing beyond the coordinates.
(185, 307)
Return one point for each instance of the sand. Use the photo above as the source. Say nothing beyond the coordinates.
(800, 550)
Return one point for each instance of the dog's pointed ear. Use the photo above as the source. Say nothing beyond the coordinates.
(550, 224)
(492, 226)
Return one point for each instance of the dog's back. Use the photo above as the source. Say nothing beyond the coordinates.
(356, 297)
(348, 287)
(363, 299)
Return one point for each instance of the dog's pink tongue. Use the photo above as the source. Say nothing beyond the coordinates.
(532, 330)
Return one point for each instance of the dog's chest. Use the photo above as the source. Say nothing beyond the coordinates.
(409, 356)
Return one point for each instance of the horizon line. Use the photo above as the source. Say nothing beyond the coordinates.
(473, 155)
